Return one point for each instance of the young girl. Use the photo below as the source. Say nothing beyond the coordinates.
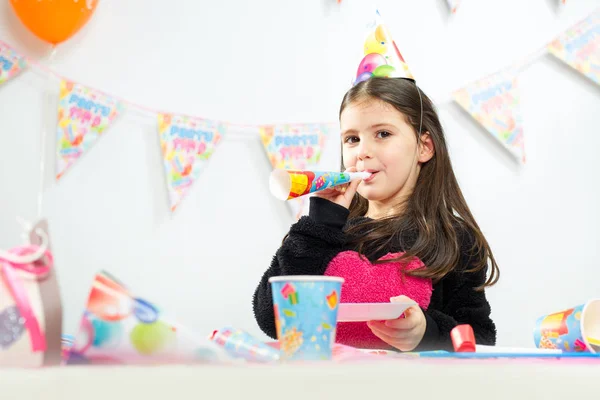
(405, 232)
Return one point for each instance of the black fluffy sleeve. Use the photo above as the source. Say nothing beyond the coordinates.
(311, 244)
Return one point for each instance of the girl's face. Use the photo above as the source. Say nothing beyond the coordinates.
(376, 138)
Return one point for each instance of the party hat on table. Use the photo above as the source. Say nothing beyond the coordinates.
(118, 327)
(381, 57)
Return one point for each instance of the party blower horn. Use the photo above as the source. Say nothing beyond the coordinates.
(289, 184)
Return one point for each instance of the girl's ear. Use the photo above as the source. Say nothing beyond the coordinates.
(426, 148)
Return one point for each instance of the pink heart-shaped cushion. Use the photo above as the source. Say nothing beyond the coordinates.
(365, 282)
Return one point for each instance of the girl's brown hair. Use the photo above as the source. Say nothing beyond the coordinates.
(435, 217)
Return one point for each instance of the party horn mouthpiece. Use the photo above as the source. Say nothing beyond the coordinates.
(288, 184)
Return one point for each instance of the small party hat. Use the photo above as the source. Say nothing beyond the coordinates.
(118, 327)
(381, 57)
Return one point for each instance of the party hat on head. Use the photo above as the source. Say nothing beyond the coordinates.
(381, 57)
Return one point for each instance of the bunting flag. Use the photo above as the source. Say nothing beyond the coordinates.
(295, 146)
(453, 5)
(83, 116)
(11, 63)
(494, 102)
(186, 144)
(579, 47)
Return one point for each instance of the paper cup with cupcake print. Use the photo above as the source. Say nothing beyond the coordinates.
(576, 329)
(306, 311)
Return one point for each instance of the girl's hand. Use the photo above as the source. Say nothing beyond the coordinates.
(341, 194)
(403, 333)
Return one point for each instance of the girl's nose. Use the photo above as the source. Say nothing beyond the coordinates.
(364, 150)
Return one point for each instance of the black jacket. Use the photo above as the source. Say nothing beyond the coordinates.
(316, 239)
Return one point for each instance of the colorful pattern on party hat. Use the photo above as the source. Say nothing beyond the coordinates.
(494, 102)
(579, 47)
(117, 327)
(381, 57)
(297, 147)
(11, 63)
(186, 144)
(83, 116)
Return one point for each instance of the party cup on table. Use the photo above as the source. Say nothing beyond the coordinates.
(306, 311)
(576, 329)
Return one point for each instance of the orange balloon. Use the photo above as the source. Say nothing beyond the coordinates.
(54, 21)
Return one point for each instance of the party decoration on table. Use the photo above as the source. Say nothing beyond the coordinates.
(12, 326)
(495, 103)
(579, 47)
(306, 309)
(346, 354)
(289, 184)
(54, 21)
(463, 338)
(594, 344)
(11, 63)
(240, 344)
(295, 146)
(118, 327)
(381, 57)
(453, 5)
(30, 308)
(561, 357)
(570, 329)
(84, 115)
(186, 144)
(66, 344)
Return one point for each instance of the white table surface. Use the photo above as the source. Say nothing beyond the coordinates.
(381, 380)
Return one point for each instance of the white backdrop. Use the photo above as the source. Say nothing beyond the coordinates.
(291, 61)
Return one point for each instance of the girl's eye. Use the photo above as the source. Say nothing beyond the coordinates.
(350, 139)
(383, 134)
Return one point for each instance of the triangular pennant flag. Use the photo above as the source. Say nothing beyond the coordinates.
(11, 63)
(453, 5)
(579, 47)
(494, 102)
(186, 144)
(84, 115)
(380, 55)
(294, 146)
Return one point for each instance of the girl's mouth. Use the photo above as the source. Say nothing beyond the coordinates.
(370, 178)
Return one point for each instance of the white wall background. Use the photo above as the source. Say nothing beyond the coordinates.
(291, 61)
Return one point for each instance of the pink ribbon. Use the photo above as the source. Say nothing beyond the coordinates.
(39, 269)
